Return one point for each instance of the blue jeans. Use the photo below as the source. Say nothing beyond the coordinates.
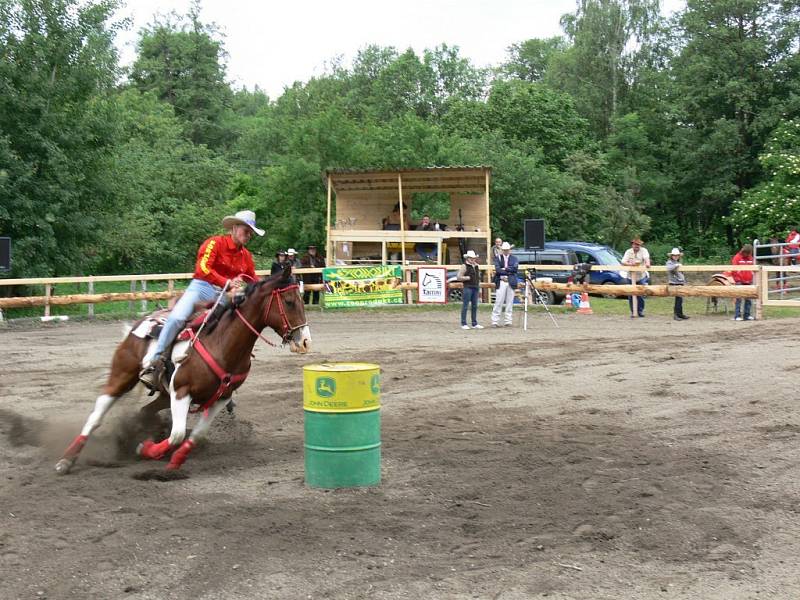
(737, 312)
(470, 294)
(198, 291)
(639, 299)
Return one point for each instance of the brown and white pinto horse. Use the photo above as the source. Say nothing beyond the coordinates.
(198, 380)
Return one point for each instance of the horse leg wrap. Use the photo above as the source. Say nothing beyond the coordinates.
(179, 456)
(149, 449)
(76, 446)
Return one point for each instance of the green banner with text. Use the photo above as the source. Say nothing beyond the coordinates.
(362, 286)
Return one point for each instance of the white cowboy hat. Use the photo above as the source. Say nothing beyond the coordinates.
(243, 217)
(470, 254)
(506, 246)
(675, 251)
(291, 251)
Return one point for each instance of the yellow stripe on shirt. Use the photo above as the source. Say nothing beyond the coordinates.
(206, 256)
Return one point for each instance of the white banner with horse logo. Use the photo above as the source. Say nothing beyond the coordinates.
(432, 287)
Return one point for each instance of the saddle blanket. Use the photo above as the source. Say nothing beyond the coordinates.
(145, 328)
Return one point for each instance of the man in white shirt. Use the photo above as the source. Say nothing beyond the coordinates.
(637, 255)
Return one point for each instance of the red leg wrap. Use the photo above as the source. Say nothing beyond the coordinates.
(179, 456)
(76, 446)
(154, 451)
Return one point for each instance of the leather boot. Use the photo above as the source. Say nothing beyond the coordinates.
(151, 375)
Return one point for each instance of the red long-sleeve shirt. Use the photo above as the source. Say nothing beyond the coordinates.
(219, 259)
(743, 277)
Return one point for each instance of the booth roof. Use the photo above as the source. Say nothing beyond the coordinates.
(428, 179)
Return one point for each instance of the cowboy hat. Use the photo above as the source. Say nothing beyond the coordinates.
(291, 251)
(280, 252)
(506, 246)
(675, 251)
(470, 254)
(636, 240)
(243, 217)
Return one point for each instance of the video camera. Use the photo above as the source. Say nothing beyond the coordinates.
(580, 272)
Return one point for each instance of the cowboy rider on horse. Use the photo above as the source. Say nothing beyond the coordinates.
(222, 262)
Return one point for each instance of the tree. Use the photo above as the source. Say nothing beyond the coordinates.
(773, 207)
(183, 65)
(597, 70)
(530, 60)
(57, 72)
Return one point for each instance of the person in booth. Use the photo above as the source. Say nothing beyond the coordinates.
(222, 261)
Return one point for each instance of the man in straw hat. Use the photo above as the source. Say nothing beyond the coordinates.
(505, 280)
(638, 256)
(470, 275)
(676, 277)
(222, 260)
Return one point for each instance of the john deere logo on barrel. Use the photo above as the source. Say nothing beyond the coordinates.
(326, 387)
(375, 384)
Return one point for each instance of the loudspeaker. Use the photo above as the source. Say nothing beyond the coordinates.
(5, 254)
(534, 234)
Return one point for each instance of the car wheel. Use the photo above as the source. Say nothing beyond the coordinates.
(548, 298)
(454, 296)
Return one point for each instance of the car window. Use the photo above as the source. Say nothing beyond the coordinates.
(607, 256)
(585, 257)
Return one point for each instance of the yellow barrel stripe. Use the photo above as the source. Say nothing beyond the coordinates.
(341, 387)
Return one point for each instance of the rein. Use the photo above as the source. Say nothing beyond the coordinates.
(275, 296)
(227, 380)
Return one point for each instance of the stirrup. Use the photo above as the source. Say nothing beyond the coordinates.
(151, 375)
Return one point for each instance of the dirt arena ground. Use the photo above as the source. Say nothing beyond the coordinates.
(606, 459)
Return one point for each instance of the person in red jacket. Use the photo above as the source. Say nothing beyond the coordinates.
(222, 260)
(743, 257)
(793, 247)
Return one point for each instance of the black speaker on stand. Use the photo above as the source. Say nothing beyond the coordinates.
(5, 254)
(534, 234)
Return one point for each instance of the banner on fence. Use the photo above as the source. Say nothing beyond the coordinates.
(362, 286)
(432, 285)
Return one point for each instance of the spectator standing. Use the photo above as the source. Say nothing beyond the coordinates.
(470, 275)
(496, 249)
(676, 277)
(638, 256)
(743, 257)
(291, 256)
(793, 241)
(505, 281)
(312, 260)
(280, 260)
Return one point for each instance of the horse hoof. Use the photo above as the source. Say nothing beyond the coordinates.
(142, 448)
(63, 466)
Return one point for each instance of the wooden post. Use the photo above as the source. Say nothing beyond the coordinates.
(144, 300)
(402, 220)
(762, 285)
(91, 306)
(488, 224)
(328, 244)
(384, 257)
(133, 289)
(48, 291)
(170, 289)
(407, 280)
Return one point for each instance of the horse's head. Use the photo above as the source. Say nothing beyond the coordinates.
(280, 307)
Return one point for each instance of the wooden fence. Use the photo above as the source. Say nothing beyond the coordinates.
(49, 299)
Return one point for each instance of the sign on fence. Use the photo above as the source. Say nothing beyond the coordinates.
(362, 286)
(432, 285)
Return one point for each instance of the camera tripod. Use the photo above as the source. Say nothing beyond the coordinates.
(530, 284)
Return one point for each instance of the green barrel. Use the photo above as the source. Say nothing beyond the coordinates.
(341, 402)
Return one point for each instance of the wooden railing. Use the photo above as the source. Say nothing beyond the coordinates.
(91, 298)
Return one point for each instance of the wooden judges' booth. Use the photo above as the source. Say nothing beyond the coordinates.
(366, 225)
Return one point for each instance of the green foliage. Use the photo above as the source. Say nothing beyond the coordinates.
(773, 207)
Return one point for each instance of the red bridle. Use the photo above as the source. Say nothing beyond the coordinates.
(276, 296)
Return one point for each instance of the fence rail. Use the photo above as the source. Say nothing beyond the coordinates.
(49, 299)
